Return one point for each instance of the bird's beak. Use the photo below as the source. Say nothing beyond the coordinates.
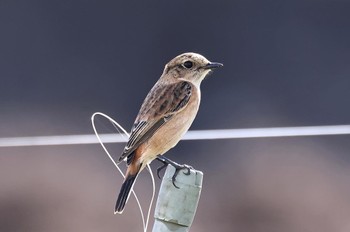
(213, 65)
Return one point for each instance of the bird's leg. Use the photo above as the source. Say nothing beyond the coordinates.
(165, 164)
(177, 167)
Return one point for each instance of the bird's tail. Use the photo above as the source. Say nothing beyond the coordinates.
(125, 192)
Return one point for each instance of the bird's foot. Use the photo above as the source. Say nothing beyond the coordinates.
(161, 168)
(177, 167)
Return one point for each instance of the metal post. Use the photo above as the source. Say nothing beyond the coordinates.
(176, 207)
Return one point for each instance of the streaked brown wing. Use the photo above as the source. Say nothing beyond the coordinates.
(161, 103)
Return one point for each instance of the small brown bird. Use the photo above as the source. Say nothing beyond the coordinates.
(165, 116)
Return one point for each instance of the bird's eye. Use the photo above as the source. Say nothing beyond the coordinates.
(188, 64)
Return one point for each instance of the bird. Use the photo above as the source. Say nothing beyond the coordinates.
(165, 116)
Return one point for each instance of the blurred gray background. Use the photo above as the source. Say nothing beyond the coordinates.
(286, 64)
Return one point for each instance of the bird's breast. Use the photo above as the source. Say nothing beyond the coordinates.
(171, 133)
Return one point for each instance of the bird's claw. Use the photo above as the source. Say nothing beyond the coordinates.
(160, 169)
(177, 167)
(177, 170)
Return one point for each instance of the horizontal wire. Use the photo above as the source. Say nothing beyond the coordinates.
(190, 135)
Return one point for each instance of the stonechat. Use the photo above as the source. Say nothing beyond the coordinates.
(165, 116)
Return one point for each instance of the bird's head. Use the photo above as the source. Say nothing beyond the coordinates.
(190, 67)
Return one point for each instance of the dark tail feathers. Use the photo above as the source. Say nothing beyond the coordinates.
(124, 193)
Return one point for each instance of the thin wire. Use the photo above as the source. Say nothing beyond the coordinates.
(118, 126)
(190, 135)
(153, 195)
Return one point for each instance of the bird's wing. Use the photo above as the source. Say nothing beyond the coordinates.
(160, 105)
